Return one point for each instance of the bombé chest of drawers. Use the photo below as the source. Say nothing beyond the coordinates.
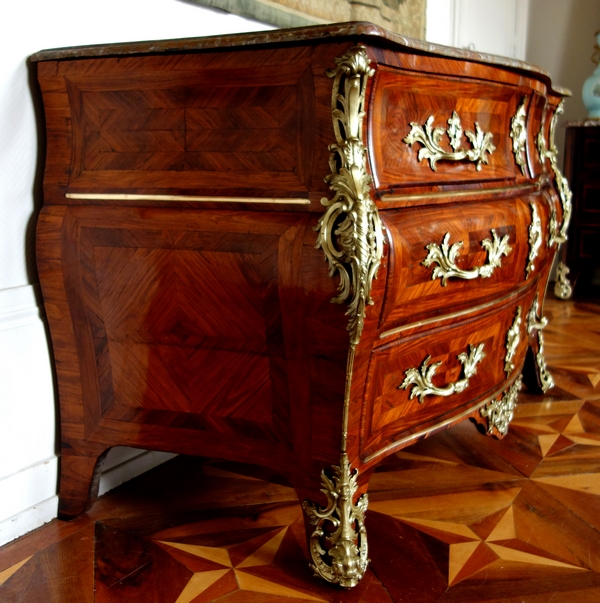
(205, 202)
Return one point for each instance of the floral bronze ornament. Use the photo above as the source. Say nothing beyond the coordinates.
(537, 324)
(562, 185)
(518, 133)
(430, 138)
(513, 337)
(540, 140)
(562, 287)
(445, 256)
(535, 239)
(533, 322)
(351, 236)
(350, 231)
(552, 228)
(421, 378)
(499, 413)
(346, 544)
(546, 380)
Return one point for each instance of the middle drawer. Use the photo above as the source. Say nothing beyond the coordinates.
(451, 257)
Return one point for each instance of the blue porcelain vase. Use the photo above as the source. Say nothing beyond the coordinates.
(591, 87)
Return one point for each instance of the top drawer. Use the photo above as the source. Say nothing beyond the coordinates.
(477, 136)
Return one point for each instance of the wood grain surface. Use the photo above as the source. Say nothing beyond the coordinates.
(186, 318)
(454, 518)
(400, 99)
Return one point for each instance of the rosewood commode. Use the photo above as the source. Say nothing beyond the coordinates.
(204, 202)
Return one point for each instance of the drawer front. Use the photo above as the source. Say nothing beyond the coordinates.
(447, 258)
(476, 357)
(409, 107)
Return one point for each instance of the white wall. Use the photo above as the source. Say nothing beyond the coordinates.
(556, 35)
(28, 461)
(490, 26)
(560, 39)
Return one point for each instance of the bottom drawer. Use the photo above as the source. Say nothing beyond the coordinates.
(421, 380)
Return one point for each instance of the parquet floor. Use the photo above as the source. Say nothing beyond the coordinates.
(456, 518)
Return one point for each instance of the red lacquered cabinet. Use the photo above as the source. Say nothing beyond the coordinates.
(205, 200)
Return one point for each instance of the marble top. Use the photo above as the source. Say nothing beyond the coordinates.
(351, 29)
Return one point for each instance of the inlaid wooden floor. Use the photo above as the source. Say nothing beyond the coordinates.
(456, 518)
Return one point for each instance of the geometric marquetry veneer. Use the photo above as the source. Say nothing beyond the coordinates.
(206, 199)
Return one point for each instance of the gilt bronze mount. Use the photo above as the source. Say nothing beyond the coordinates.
(430, 137)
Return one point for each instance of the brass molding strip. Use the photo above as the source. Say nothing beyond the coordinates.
(470, 193)
(445, 317)
(398, 443)
(192, 198)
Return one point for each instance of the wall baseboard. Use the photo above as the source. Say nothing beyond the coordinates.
(28, 487)
(18, 307)
(28, 463)
(30, 498)
(28, 519)
(136, 463)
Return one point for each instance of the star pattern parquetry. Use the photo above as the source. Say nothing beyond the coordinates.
(506, 517)
(233, 568)
(455, 518)
(479, 537)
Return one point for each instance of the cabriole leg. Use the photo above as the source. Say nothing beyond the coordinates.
(338, 543)
(79, 479)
